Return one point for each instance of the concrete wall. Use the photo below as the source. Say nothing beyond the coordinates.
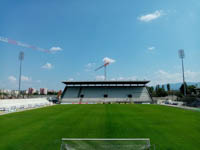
(14, 104)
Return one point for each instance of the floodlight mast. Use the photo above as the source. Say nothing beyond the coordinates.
(182, 56)
(21, 58)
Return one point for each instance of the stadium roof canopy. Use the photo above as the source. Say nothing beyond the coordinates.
(105, 83)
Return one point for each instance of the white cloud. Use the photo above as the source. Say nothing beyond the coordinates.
(12, 79)
(163, 77)
(70, 79)
(133, 78)
(24, 78)
(108, 60)
(151, 48)
(47, 66)
(27, 82)
(99, 78)
(192, 76)
(55, 49)
(152, 16)
(38, 81)
(118, 79)
(121, 78)
(90, 66)
(112, 79)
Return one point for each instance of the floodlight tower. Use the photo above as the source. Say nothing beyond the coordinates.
(21, 58)
(182, 56)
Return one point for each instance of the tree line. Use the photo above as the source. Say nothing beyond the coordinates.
(165, 90)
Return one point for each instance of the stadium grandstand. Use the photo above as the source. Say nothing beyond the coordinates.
(92, 92)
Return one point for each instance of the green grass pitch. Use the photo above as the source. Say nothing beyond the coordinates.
(42, 129)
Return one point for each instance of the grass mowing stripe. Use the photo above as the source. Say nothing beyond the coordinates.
(169, 128)
(25, 127)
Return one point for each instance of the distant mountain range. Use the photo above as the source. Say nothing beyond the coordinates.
(176, 86)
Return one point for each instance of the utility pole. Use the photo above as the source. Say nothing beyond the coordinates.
(21, 58)
(182, 56)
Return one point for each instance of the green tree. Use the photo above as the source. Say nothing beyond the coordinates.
(157, 87)
(168, 87)
(182, 88)
(191, 89)
(151, 89)
(161, 92)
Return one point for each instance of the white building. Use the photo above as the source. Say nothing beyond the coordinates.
(43, 91)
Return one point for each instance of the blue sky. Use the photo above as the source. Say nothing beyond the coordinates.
(143, 37)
